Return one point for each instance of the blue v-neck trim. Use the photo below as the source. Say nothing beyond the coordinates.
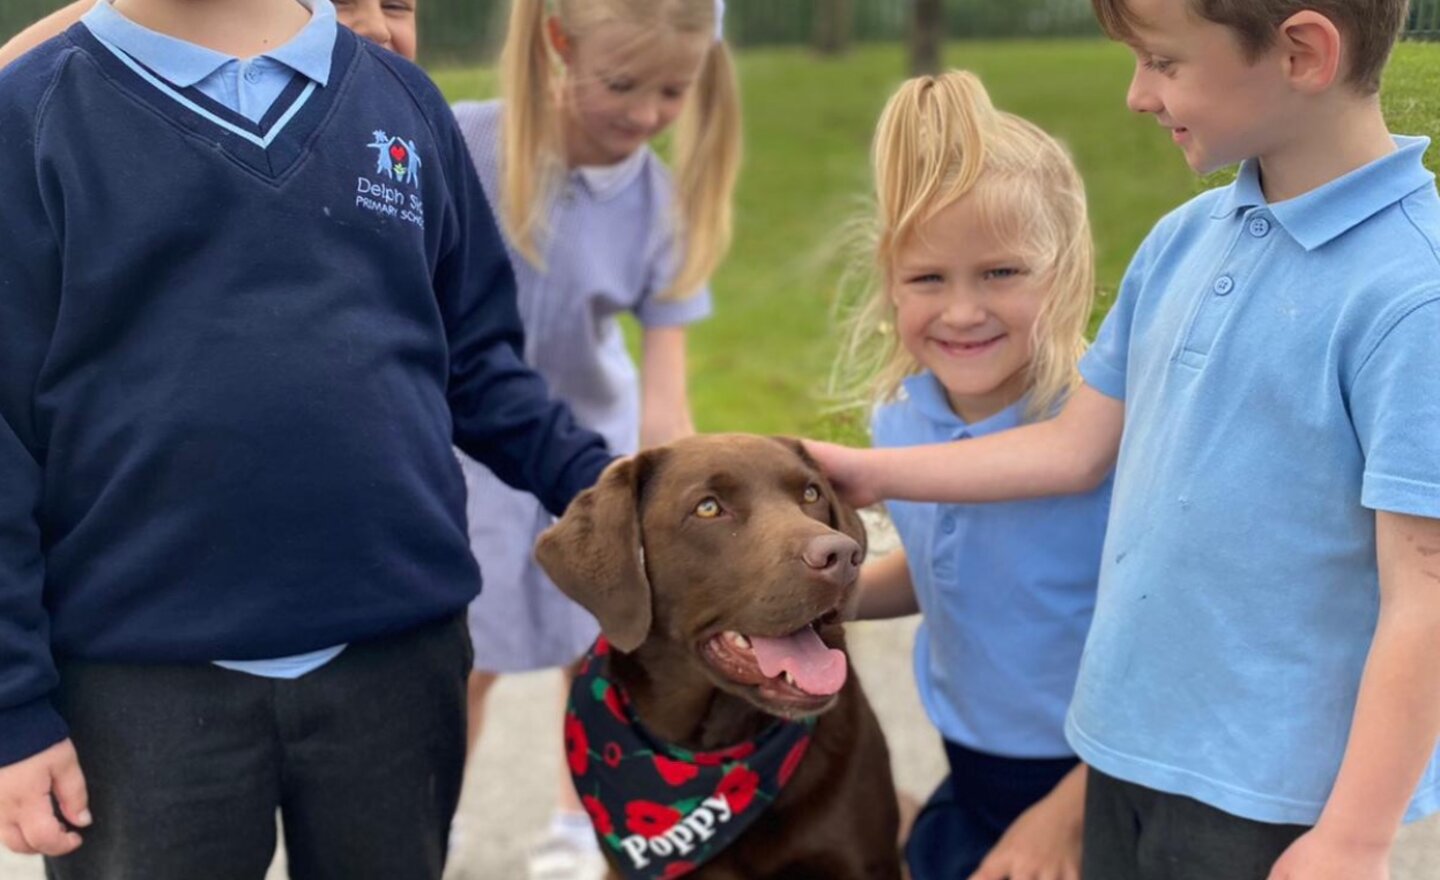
(220, 116)
(270, 146)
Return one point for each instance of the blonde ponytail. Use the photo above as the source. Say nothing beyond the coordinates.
(708, 148)
(531, 143)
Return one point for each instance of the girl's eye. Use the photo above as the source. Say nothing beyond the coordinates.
(1003, 273)
(932, 278)
(708, 509)
(619, 86)
(812, 493)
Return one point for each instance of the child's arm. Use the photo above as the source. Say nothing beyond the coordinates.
(51, 25)
(885, 590)
(664, 407)
(1068, 454)
(36, 758)
(501, 410)
(1397, 718)
(1045, 841)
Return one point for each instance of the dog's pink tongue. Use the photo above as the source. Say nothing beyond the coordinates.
(817, 669)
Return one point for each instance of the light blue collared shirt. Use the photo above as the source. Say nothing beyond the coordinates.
(1006, 591)
(247, 86)
(1280, 369)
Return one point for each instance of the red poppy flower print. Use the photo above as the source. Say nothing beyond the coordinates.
(613, 754)
(613, 702)
(599, 816)
(649, 819)
(675, 772)
(725, 756)
(577, 745)
(602, 647)
(738, 787)
(792, 760)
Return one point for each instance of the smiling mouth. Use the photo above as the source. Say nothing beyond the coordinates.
(797, 672)
(968, 349)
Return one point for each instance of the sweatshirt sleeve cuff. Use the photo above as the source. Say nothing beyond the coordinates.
(29, 729)
(583, 475)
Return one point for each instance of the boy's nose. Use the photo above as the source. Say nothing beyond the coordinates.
(1140, 98)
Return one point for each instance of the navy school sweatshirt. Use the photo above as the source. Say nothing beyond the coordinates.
(233, 359)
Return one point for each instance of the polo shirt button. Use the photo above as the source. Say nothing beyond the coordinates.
(1259, 227)
(1224, 284)
(947, 524)
(251, 74)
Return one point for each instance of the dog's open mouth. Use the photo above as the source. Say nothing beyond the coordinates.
(797, 671)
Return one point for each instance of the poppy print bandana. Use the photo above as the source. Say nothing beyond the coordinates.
(664, 811)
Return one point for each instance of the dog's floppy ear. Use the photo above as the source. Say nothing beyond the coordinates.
(593, 554)
(843, 517)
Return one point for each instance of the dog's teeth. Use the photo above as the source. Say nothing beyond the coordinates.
(789, 679)
(739, 641)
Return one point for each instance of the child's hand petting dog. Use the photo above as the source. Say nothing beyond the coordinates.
(846, 467)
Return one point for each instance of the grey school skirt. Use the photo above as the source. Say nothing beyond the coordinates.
(521, 621)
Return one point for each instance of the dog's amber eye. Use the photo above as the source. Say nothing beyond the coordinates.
(812, 493)
(708, 509)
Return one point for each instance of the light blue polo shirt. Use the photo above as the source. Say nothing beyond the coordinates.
(1280, 368)
(1006, 591)
(248, 87)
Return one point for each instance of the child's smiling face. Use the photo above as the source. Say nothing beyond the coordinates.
(966, 304)
(1193, 76)
(390, 23)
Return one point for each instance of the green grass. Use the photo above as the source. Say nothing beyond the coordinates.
(760, 363)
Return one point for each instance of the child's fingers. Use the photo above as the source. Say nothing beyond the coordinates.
(13, 840)
(71, 794)
(43, 832)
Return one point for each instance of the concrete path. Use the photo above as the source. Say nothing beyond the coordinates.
(511, 782)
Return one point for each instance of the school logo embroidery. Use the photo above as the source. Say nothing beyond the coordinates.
(398, 159)
(397, 162)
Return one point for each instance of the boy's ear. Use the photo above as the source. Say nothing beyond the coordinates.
(1313, 51)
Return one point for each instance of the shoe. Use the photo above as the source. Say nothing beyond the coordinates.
(560, 857)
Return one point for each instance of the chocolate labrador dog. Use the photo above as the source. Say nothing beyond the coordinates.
(718, 567)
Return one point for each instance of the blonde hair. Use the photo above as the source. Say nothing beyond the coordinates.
(939, 140)
(707, 144)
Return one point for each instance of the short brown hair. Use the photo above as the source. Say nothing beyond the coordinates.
(1369, 27)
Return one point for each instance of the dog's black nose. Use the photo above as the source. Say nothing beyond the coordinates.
(833, 556)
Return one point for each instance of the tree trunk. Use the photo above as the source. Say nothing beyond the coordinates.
(927, 34)
(833, 23)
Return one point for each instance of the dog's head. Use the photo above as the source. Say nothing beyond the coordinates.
(734, 548)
